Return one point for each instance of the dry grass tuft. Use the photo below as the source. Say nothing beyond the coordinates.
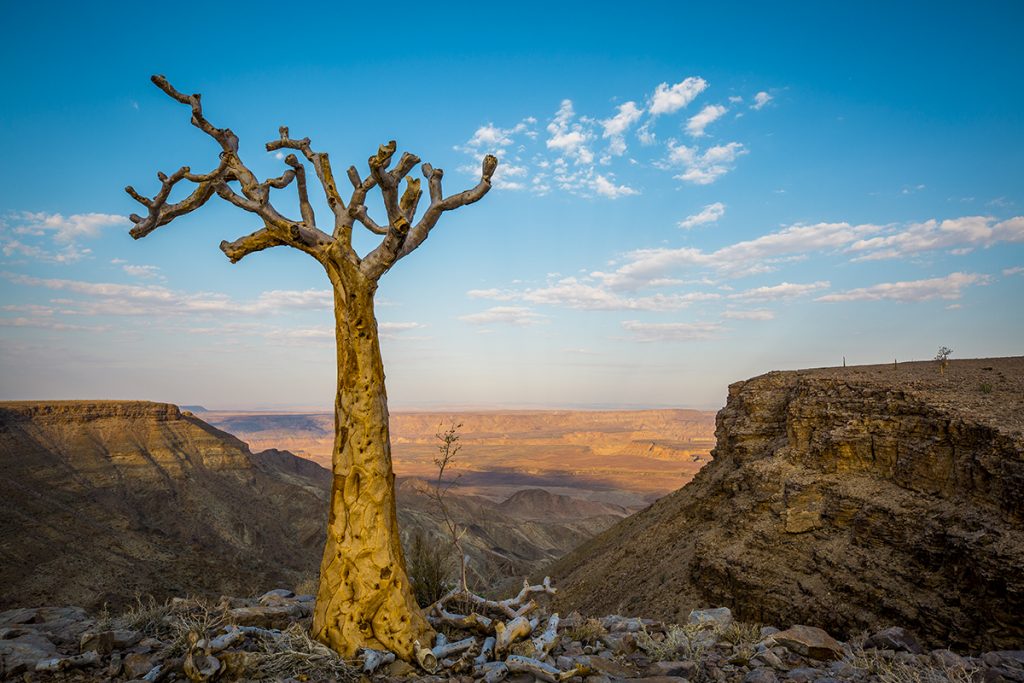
(587, 632)
(887, 669)
(294, 654)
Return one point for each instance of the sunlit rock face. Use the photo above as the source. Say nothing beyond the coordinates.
(850, 498)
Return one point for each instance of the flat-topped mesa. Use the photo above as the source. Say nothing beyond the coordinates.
(87, 409)
(848, 498)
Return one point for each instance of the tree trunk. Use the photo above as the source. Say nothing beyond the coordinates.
(365, 598)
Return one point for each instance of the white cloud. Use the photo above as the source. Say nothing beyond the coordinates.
(759, 255)
(568, 137)
(1016, 270)
(144, 272)
(751, 314)
(607, 188)
(706, 168)
(949, 287)
(669, 99)
(645, 135)
(572, 293)
(106, 298)
(511, 315)
(784, 290)
(709, 214)
(968, 231)
(705, 117)
(671, 332)
(760, 99)
(47, 324)
(615, 128)
(66, 229)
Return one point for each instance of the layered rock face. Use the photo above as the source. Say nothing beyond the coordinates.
(104, 499)
(848, 498)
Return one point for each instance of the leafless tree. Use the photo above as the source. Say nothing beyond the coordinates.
(364, 597)
(942, 357)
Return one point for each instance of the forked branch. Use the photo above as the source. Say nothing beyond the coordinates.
(400, 235)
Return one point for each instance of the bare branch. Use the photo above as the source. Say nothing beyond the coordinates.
(358, 211)
(388, 186)
(410, 198)
(321, 164)
(356, 205)
(258, 241)
(439, 205)
(305, 208)
(160, 212)
(378, 261)
(228, 140)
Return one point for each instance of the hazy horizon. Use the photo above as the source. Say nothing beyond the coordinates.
(686, 197)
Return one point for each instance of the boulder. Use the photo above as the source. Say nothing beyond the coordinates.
(137, 664)
(718, 616)
(760, 675)
(810, 641)
(22, 649)
(686, 669)
(106, 642)
(896, 639)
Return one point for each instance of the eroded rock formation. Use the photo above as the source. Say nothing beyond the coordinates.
(848, 498)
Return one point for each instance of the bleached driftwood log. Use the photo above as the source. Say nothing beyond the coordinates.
(424, 657)
(486, 651)
(89, 658)
(543, 643)
(445, 649)
(374, 659)
(510, 608)
(515, 630)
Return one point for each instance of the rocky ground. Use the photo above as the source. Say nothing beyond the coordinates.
(265, 639)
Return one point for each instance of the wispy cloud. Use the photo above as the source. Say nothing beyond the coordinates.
(949, 287)
(783, 290)
(671, 332)
(967, 233)
(107, 298)
(709, 214)
(760, 100)
(572, 293)
(509, 315)
(53, 237)
(750, 314)
(704, 118)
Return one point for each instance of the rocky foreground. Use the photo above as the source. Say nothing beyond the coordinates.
(266, 639)
(850, 498)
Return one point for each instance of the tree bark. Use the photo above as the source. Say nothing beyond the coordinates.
(365, 598)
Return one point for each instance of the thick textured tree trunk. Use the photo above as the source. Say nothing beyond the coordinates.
(365, 598)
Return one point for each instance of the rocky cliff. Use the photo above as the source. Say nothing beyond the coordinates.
(848, 498)
(104, 499)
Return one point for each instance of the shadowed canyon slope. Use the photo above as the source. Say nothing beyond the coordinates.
(102, 500)
(847, 498)
(625, 457)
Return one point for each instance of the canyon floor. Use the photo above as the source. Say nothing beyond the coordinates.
(627, 458)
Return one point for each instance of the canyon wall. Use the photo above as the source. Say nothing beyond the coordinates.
(849, 498)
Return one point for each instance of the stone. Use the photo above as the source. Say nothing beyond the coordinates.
(137, 665)
(106, 642)
(810, 641)
(803, 675)
(895, 638)
(767, 631)
(22, 649)
(276, 597)
(610, 667)
(657, 679)
(718, 616)
(268, 616)
(760, 675)
(685, 669)
(598, 678)
(948, 659)
(769, 658)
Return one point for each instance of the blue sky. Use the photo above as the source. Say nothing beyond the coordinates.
(687, 196)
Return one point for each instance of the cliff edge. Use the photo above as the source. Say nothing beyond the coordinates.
(848, 498)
